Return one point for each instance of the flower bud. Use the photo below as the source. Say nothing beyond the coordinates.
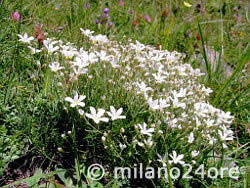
(59, 149)
(103, 138)
(122, 130)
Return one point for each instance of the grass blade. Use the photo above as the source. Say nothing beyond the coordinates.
(208, 66)
(239, 67)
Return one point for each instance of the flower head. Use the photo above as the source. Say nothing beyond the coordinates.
(97, 116)
(121, 3)
(55, 66)
(195, 153)
(162, 159)
(76, 101)
(86, 32)
(15, 16)
(147, 18)
(176, 158)
(110, 24)
(191, 138)
(106, 10)
(115, 114)
(144, 129)
(25, 38)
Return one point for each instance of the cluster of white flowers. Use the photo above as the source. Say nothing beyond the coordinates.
(96, 116)
(169, 87)
(174, 90)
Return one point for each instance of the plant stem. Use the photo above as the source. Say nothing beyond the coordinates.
(208, 66)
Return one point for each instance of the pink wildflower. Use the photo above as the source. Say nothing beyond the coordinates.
(15, 16)
(147, 18)
(121, 3)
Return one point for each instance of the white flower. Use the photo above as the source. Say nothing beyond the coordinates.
(115, 63)
(197, 121)
(49, 45)
(99, 38)
(181, 94)
(81, 112)
(191, 138)
(103, 56)
(176, 158)
(177, 104)
(122, 146)
(89, 57)
(159, 78)
(173, 123)
(34, 50)
(162, 160)
(97, 116)
(226, 134)
(158, 104)
(25, 38)
(80, 62)
(153, 104)
(207, 91)
(86, 32)
(76, 101)
(138, 47)
(143, 88)
(163, 104)
(225, 117)
(195, 153)
(55, 66)
(144, 129)
(141, 144)
(115, 114)
(209, 122)
(78, 71)
(149, 142)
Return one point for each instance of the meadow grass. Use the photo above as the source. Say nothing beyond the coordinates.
(212, 35)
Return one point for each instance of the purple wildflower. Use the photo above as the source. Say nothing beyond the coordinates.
(106, 10)
(111, 24)
(105, 15)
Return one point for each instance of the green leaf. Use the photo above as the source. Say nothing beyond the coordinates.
(66, 179)
(31, 179)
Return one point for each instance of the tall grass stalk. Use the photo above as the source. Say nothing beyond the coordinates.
(77, 163)
(208, 65)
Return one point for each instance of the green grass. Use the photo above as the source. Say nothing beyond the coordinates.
(32, 115)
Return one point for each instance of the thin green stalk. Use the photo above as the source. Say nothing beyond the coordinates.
(168, 169)
(218, 66)
(77, 164)
(208, 66)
